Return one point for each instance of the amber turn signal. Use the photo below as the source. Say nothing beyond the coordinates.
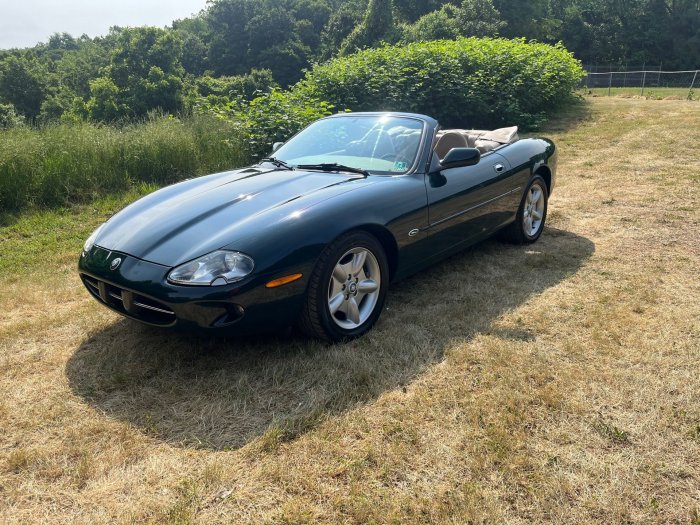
(283, 280)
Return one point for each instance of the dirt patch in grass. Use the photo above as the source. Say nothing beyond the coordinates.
(556, 383)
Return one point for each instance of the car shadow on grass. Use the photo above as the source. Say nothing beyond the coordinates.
(195, 390)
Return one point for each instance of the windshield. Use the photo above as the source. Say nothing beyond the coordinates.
(380, 144)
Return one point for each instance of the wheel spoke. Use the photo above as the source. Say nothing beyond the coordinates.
(367, 286)
(340, 273)
(353, 311)
(358, 262)
(335, 288)
(335, 303)
(536, 194)
(537, 215)
(528, 225)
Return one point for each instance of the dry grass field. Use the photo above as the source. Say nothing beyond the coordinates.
(557, 383)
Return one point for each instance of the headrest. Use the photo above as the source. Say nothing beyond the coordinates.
(449, 140)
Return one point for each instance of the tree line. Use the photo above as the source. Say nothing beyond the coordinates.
(236, 48)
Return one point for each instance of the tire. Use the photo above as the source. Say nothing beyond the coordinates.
(347, 289)
(532, 214)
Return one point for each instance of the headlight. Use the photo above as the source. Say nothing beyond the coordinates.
(90, 242)
(216, 269)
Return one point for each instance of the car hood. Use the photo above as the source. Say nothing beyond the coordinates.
(181, 222)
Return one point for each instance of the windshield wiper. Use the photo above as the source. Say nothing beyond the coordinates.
(277, 162)
(333, 166)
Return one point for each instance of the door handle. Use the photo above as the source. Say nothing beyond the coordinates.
(498, 168)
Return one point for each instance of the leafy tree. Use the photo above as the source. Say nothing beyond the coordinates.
(23, 84)
(158, 90)
(144, 73)
(194, 32)
(523, 18)
(9, 117)
(55, 105)
(684, 28)
(376, 26)
(77, 67)
(340, 24)
(105, 103)
(57, 46)
(280, 35)
(436, 25)
(471, 18)
(194, 54)
(246, 87)
(410, 11)
(228, 36)
(269, 28)
(316, 12)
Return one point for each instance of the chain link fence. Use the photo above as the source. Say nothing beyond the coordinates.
(645, 82)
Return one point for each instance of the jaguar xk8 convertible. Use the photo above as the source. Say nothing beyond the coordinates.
(314, 234)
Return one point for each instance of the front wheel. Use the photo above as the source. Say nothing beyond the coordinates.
(347, 289)
(532, 214)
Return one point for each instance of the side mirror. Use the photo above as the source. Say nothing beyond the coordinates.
(461, 157)
(276, 146)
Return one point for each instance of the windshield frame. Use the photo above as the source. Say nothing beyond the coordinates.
(419, 151)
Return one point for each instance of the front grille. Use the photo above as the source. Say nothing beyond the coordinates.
(129, 303)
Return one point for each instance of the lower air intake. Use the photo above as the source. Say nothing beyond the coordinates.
(129, 303)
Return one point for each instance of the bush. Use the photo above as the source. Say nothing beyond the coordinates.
(247, 87)
(471, 18)
(272, 117)
(468, 82)
(63, 163)
(9, 117)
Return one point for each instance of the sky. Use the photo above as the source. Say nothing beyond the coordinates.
(24, 23)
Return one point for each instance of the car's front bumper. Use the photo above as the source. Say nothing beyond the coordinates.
(140, 290)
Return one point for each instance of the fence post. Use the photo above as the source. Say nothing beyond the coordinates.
(610, 84)
(690, 91)
(644, 80)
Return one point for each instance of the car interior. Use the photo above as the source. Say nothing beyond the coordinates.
(483, 140)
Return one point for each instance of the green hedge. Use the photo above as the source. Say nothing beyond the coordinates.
(62, 164)
(468, 82)
(269, 118)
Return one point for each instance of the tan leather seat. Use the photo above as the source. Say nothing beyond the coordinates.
(406, 144)
(449, 140)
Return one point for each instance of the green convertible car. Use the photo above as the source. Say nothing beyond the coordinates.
(314, 234)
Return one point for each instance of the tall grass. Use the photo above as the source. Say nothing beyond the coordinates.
(65, 163)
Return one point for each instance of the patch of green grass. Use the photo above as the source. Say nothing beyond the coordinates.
(611, 432)
(39, 239)
(62, 164)
(649, 92)
(185, 507)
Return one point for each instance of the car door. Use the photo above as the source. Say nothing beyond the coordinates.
(466, 203)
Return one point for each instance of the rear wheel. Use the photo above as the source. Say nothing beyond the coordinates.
(532, 214)
(347, 288)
